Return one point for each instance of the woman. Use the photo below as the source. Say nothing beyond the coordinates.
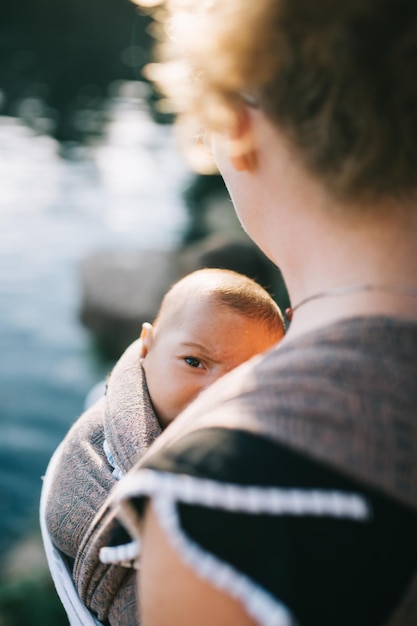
(287, 493)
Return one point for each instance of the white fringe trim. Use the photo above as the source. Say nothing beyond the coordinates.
(124, 555)
(232, 497)
(259, 604)
(166, 489)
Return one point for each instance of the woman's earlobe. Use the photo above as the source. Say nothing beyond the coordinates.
(242, 151)
(146, 336)
(244, 162)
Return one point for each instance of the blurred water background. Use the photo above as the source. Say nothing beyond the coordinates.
(84, 166)
(52, 213)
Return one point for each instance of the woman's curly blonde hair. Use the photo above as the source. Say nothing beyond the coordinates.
(337, 76)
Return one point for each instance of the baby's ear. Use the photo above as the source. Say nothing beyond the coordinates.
(147, 338)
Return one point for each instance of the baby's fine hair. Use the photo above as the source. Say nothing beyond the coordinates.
(228, 288)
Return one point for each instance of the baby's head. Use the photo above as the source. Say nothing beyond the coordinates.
(209, 322)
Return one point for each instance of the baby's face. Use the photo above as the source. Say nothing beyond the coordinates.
(187, 356)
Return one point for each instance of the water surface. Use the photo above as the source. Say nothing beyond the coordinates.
(124, 193)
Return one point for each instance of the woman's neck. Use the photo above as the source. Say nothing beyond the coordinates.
(320, 244)
(363, 268)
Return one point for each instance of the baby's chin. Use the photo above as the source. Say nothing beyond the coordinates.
(164, 421)
(167, 419)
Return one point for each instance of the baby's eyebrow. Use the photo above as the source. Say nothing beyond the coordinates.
(192, 345)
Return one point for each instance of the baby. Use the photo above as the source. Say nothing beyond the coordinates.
(209, 322)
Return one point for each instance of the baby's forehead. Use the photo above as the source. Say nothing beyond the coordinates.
(182, 302)
(207, 308)
(192, 293)
(202, 303)
(201, 284)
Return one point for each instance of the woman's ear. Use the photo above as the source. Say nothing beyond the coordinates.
(242, 150)
(146, 336)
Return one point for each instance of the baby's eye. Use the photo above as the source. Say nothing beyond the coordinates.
(193, 362)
